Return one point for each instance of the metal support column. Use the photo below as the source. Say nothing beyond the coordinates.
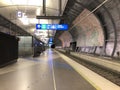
(60, 7)
(44, 7)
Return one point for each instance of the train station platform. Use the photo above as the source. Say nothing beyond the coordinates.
(51, 71)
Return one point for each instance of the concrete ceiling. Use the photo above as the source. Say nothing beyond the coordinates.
(29, 10)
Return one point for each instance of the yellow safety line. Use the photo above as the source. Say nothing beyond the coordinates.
(83, 75)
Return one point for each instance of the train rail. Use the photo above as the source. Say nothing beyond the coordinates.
(111, 75)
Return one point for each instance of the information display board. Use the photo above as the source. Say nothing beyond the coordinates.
(52, 27)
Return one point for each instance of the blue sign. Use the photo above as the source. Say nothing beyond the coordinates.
(50, 42)
(52, 26)
(51, 39)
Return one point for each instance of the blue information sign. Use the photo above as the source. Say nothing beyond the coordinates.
(52, 26)
(50, 39)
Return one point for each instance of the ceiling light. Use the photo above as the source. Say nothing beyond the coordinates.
(24, 20)
(23, 2)
(35, 2)
(38, 11)
(33, 20)
(37, 34)
(7, 2)
(32, 30)
(44, 21)
(19, 2)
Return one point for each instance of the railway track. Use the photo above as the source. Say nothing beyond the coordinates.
(104, 72)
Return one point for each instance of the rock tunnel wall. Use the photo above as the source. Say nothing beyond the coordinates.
(66, 38)
(89, 30)
(88, 33)
(108, 16)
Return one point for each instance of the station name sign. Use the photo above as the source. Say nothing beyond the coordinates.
(52, 27)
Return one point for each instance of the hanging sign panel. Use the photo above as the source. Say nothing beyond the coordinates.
(52, 27)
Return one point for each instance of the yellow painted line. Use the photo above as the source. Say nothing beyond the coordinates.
(94, 79)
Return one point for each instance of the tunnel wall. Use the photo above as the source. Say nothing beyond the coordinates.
(88, 34)
(66, 39)
(57, 42)
(89, 30)
(109, 17)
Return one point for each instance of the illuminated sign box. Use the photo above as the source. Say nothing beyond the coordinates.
(19, 14)
(51, 26)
